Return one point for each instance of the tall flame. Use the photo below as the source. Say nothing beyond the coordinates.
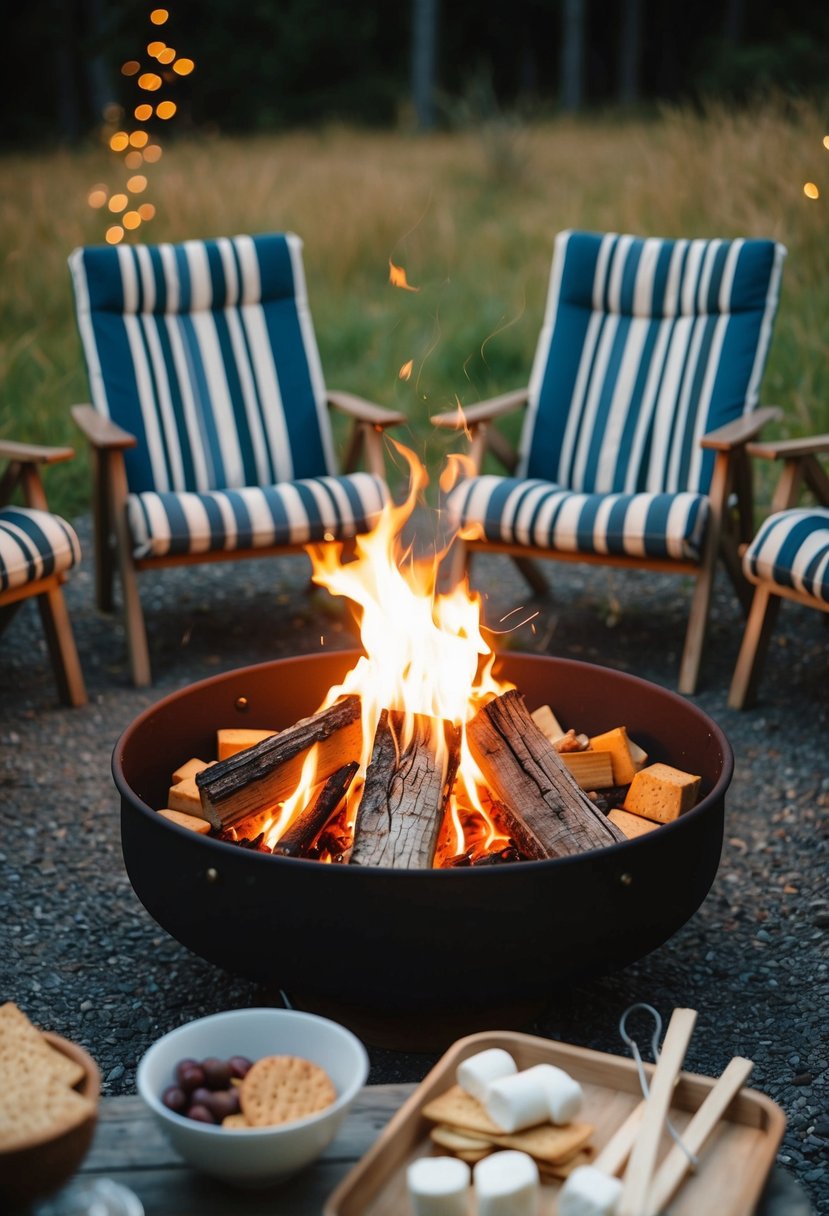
(425, 653)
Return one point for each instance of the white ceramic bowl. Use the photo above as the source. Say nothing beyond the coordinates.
(260, 1156)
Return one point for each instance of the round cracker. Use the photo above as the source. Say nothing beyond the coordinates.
(281, 1089)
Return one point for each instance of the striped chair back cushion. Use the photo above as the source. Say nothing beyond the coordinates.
(646, 345)
(206, 352)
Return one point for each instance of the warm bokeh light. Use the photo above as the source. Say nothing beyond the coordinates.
(826, 141)
(158, 16)
(146, 211)
(166, 109)
(152, 153)
(167, 55)
(405, 372)
(131, 219)
(139, 139)
(119, 141)
(133, 160)
(137, 184)
(118, 202)
(143, 112)
(183, 67)
(113, 113)
(149, 81)
(130, 67)
(397, 277)
(114, 234)
(811, 190)
(97, 196)
(154, 49)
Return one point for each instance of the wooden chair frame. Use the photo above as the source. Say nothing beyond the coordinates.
(113, 544)
(23, 473)
(730, 524)
(800, 470)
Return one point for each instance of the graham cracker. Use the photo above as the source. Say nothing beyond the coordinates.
(20, 1040)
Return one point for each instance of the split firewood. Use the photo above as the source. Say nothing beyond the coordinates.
(230, 740)
(405, 793)
(627, 756)
(590, 770)
(310, 821)
(662, 793)
(524, 771)
(185, 771)
(268, 772)
(547, 723)
(631, 825)
(186, 821)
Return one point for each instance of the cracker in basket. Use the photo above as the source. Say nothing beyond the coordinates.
(454, 1138)
(34, 1102)
(20, 1040)
(461, 1110)
(279, 1089)
(563, 1169)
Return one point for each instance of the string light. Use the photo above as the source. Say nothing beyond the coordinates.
(811, 190)
(134, 147)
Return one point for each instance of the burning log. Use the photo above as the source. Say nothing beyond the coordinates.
(236, 788)
(405, 794)
(308, 824)
(526, 774)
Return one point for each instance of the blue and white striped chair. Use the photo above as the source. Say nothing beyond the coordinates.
(788, 559)
(37, 551)
(210, 425)
(637, 415)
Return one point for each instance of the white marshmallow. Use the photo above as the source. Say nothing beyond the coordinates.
(589, 1192)
(438, 1186)
(506, 1184)
(535, 1095)
(476, 1073)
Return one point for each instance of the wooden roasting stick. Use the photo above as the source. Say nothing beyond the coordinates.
(637, 1182)
(310, 821)
(525, 772)
(405, 793)
(612, 1158)
(268, 772)
(676, 1164)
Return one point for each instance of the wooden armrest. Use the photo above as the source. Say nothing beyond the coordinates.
(791, 449)
(100, 431)
(33, 453)
(483, 411)
(739, 432)
(365, 411)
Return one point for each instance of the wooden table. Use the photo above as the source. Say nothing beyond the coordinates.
(130, 1148)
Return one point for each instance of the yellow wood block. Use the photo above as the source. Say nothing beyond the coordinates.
(631, 825)
(592, 770)
(662, 793)
(188, 770)
(547, 723)
(231, 741)
(186, 821)
(617, 743)
(184, 796)
(637, 754)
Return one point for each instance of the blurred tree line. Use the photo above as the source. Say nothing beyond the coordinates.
(273, 64)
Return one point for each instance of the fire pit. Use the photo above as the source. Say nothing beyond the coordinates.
(418, 941)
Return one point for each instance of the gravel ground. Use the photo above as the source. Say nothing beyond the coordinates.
(753, 960)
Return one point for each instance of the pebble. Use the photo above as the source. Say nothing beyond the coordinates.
(752, 960)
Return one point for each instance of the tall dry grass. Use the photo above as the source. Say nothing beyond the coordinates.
(471, 216)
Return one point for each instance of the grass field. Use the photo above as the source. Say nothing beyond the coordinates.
(471, 216)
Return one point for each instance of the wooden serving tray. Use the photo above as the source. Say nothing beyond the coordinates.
(734, 1162)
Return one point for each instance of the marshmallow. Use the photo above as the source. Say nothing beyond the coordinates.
(476, 1073)
(438, 1186)
(589, 1192)
(535, 1095)
(506, 1184)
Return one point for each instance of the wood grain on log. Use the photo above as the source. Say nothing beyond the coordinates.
(267, 773)
(525, 773)
(405, 793)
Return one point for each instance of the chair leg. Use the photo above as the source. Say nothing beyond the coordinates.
(695, 634)
(531, 572)
(104, 555)
(136, 630)
(62, 649)
(754, 646)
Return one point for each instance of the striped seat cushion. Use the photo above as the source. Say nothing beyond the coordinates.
(791, 550)
(646, 345)
(33, 545)
(292, 513)
(513, 510)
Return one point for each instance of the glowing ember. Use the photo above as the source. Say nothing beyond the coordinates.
(425, 654)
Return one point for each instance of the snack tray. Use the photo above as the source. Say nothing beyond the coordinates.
(733, 1166)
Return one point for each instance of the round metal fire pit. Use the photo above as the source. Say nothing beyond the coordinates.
(435, 940)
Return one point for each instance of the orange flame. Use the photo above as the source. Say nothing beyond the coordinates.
(397, 277)
(405, 372)
(425, 654)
